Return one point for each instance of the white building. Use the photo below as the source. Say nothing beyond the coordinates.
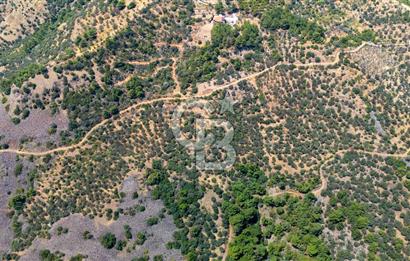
(229, 19)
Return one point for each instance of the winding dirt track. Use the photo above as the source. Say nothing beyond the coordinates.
(176, 98)
(319, 190)
(323, 179)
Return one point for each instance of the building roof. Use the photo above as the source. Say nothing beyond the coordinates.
(219, 18)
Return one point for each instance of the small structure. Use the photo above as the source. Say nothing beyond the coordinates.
(219, 18)
(228, 19)
(231, 19)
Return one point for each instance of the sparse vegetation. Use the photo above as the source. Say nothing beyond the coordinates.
(320, 136)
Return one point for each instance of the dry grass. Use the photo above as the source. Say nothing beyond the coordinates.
(20, 17)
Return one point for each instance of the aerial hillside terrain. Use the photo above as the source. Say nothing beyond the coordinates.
(204, 130)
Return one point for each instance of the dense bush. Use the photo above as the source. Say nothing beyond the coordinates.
(108, 240)
(281, 18)
(354, 40)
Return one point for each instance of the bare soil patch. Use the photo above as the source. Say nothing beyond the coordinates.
(20, 17)
(9, 183)
(35, 127)
(157, 235)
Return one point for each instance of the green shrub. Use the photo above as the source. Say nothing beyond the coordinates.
(108, 240)
(152, 221)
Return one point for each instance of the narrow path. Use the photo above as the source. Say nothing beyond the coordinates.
(323, 179)
(174, 69)
(230, 238)
(316, 192)
(129, 77)
(175, 98)
(322, 187)
(144, 62)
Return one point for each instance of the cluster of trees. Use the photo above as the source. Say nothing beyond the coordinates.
(254, 6)
(293, 221)
(181, 200)
(303, 182)
(247, 36)
(47, 255)
(297, 222)
(241, 210)
(344, 209)
(324, 108)
(118, 4)
(146, 258)
(109, 240)
(223, 35)
(27, 56)
(202, 63)
(87, 38)
(20, 198)
(199, 67)
(136, 87)
(20, 76)
(281, 18)
(367, 207)
(86, 106)
(353, 40)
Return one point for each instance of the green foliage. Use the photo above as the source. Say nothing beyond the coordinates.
(118, 4)
(140, 238)
(20, 76)
(18, 169)
(19, 199)
(78, 257)
(243, 215)
(354, 40)
(356, 214)
(47, 255)
(247, 245)
(222, 35)
(108, 240)
(62, 230)
(154, 177)
(121, 244)
(400, 167)
(87, 38)
(131, 5)
(254, 6)
(199, 67)
(87, 235)
(307, 186)
(298, 222)
(152, 221)
(249, 38)
(336, 216)
(158, 258)
(406, 2)
(135, 87)
(219, 7)
(27, 56)
(181, 201)
(127, 231)
(281, 18)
